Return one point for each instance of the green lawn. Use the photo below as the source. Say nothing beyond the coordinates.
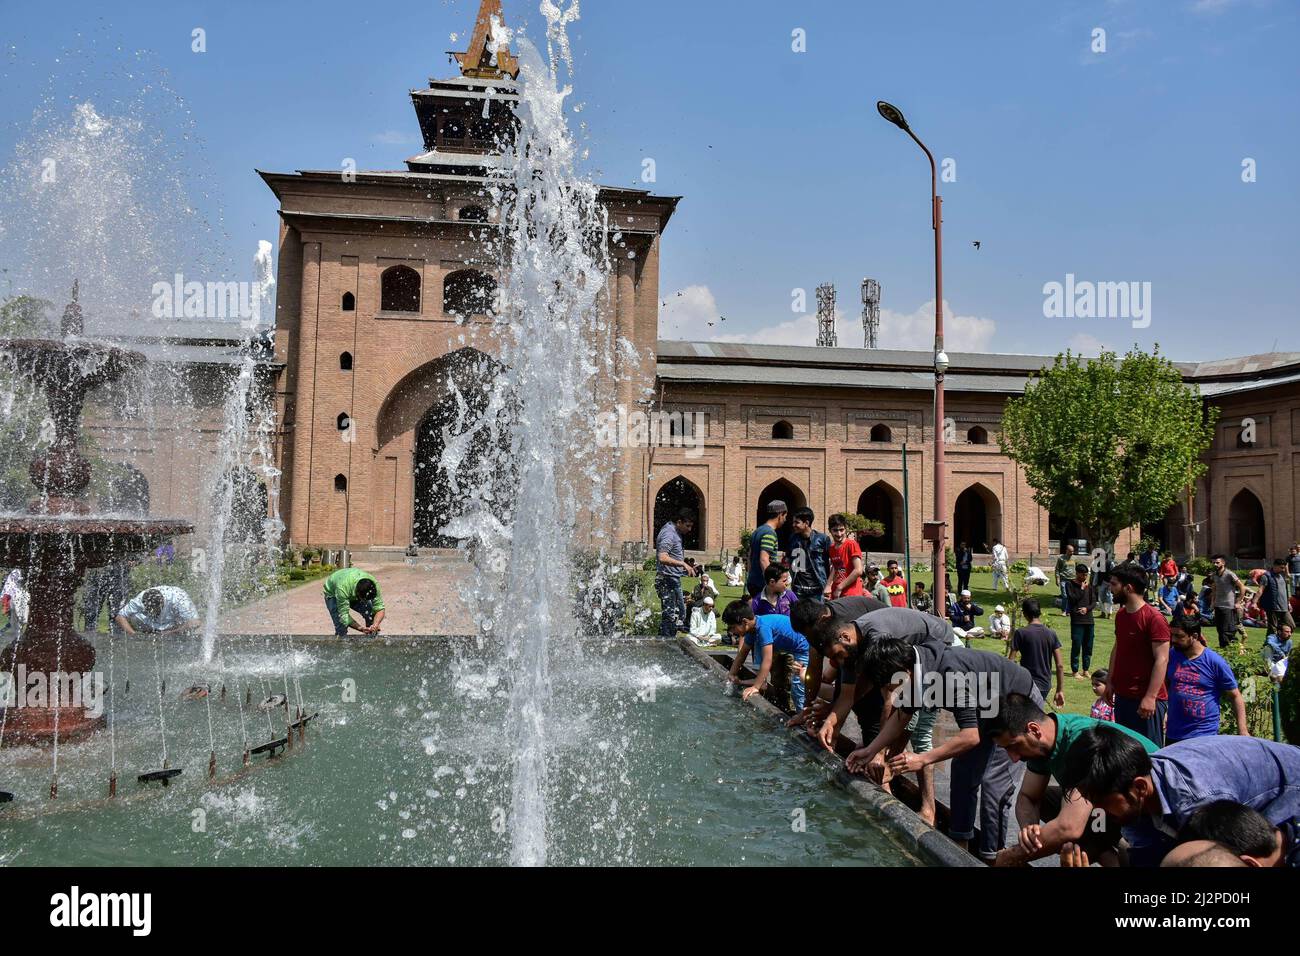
(1078, 693)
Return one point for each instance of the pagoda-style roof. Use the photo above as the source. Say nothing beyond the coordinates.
(478, 61)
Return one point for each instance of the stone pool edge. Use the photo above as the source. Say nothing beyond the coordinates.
(929, 844)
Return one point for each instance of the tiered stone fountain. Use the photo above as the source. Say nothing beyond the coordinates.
(58, 538)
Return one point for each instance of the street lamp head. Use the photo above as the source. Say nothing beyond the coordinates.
(941, 362)
(893, 114)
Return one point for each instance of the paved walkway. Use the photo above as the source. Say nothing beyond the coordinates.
(421, 598)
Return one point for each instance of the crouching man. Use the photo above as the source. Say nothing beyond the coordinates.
(768, 635)
(1050, 817)
(1155, 795)
(351, 589)
(970, 685)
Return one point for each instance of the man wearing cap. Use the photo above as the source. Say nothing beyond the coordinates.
(704, 623)
(763, 546)
(963, 615)
(1000, 623)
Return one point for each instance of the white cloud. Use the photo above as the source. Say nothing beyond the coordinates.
(915, 330)
(1084, 344)
(686, 314)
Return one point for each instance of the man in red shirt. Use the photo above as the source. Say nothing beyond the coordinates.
(896, 585)
(847, 563)
(1139, 659)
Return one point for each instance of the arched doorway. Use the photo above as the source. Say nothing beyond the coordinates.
(977, 518)
(780, 490)
(673, 496)
(1063, 530)
(1246, 526)
(882, 503)
(249, 504)
(459, 461)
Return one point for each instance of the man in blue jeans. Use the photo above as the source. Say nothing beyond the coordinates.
(768, 635)
(671, 556)
(351, 589)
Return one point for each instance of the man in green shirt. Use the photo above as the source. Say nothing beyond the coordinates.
(1049, 818)
(351, 589)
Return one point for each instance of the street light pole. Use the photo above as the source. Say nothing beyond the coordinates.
(939, 524)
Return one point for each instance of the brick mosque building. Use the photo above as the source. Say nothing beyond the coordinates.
(384, 281)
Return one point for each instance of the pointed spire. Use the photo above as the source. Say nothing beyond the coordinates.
(478, 61)
(73, 323)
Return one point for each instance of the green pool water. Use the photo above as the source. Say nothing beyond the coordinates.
(649, 763)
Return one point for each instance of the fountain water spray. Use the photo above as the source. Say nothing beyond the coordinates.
(555, 344)
(245, 443)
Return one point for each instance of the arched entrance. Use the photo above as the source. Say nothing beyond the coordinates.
(977, 518)
(882, 503)
(459, 460)
(249, 505)
(1246, 526)
(677, 494)
(1063, 530)
(780, 490)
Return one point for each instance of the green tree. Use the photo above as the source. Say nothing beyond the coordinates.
(1109, 442)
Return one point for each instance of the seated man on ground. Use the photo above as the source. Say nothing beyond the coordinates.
(970, 685)
(963, 613)
(351, 589)
(1000, 624)
(1155, 795)
(767, 635)
(161, 610)
(921, 598)
(1050, 817)
(704, 623)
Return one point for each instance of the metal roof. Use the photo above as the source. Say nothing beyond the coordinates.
(991, 372)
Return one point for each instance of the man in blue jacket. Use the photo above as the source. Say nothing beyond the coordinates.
(810, 559)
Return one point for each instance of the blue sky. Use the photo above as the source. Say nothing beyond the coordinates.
(1122, 166)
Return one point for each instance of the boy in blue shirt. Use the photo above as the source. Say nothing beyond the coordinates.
(1197, 678)
(767, 635)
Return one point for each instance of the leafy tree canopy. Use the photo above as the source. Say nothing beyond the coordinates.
(1109, 442)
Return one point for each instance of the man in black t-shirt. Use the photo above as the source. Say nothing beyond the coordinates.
(1038, 647)
(814, 619)
(970, 685)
